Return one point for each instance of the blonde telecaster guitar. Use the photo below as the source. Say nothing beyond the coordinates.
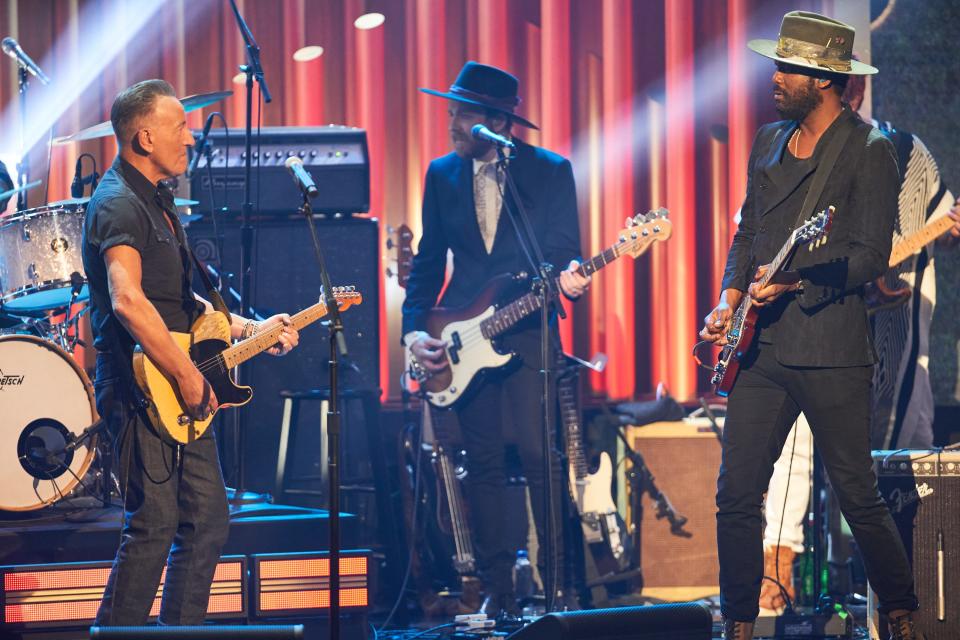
(208, 345)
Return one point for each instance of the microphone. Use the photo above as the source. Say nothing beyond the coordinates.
(301, 176)
(12, 48)
(76, 187)
(480, 132)
(198, 147)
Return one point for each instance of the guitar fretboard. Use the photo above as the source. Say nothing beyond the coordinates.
(510, 314)
(570, 413)
(916, 241)
(260, 342)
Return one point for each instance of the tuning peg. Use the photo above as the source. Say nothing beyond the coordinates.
(629, 222)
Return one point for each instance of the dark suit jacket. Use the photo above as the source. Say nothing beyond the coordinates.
(826, 325)
(546, 187)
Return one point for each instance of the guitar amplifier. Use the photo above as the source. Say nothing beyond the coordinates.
(684, 458)
(335, 156)
(285, 279)
(922, 489)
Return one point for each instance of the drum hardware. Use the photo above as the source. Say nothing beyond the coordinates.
(45, 447)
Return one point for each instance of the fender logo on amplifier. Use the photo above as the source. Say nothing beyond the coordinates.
(899, 500)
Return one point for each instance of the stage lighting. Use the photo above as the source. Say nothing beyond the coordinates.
(308, 53)
(369, 21)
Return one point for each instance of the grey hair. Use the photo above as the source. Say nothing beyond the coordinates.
(132, 104)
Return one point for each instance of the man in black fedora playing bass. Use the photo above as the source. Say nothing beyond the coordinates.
(464, 212)
(813, 352)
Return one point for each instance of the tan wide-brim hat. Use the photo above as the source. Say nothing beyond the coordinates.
(814, 41)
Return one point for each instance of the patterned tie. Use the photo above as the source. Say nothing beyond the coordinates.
(486, 199)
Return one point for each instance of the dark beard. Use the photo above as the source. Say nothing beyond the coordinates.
(798, 106)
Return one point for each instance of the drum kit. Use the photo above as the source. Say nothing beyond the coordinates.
(48, 417)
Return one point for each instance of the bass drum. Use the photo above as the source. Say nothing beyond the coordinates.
(46, 399)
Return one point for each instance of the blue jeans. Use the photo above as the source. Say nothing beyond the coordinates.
(175, 514)
(762, 407)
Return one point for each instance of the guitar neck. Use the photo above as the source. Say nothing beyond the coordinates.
(778, 262)
(570, 413)
(919, 239)
(260, 342)
(510, 314)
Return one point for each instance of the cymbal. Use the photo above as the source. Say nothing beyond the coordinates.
(104, 129)
(201, 100)
(178, 202)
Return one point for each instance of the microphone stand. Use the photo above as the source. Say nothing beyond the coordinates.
(23, 169)
(546, 288)
(254, 71)
(338, 348)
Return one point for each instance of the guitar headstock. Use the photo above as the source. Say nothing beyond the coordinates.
(401, 239)
(642, 230)
(815, 229)
(346, 297)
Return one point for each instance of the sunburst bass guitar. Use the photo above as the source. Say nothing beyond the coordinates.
(208, 345)
(471, 331)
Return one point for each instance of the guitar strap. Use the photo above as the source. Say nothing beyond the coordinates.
(824, 169)
(215, 298)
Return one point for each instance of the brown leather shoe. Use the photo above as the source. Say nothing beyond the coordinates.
(771, 597)
(901, 626)
(733, 630)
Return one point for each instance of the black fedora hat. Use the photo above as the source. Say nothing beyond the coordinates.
(488, 87)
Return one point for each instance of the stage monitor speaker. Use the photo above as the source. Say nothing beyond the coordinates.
(684, 458)
(922, 489)
(233, 632)
(677, 621)
(285, 279)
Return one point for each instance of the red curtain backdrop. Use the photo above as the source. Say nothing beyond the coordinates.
(654, 101)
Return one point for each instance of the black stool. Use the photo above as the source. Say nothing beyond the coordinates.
(368, 399)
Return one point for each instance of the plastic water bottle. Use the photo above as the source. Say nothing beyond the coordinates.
(523, 576)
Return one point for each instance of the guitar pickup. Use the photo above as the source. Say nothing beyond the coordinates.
(454, 351)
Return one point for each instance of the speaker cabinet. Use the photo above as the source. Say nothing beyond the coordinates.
(922, 489)
(678, 621)
(286, 278)
(684, 458)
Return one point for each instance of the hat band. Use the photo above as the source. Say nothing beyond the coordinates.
(828, 57)
(504, 104)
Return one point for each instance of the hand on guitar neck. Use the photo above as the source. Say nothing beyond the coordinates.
(763, 293)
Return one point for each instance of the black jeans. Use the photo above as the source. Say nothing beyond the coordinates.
(507, 408)
(763, 405)
(175, 515)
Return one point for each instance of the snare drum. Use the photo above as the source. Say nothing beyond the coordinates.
(46, 399)
(39, 251)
